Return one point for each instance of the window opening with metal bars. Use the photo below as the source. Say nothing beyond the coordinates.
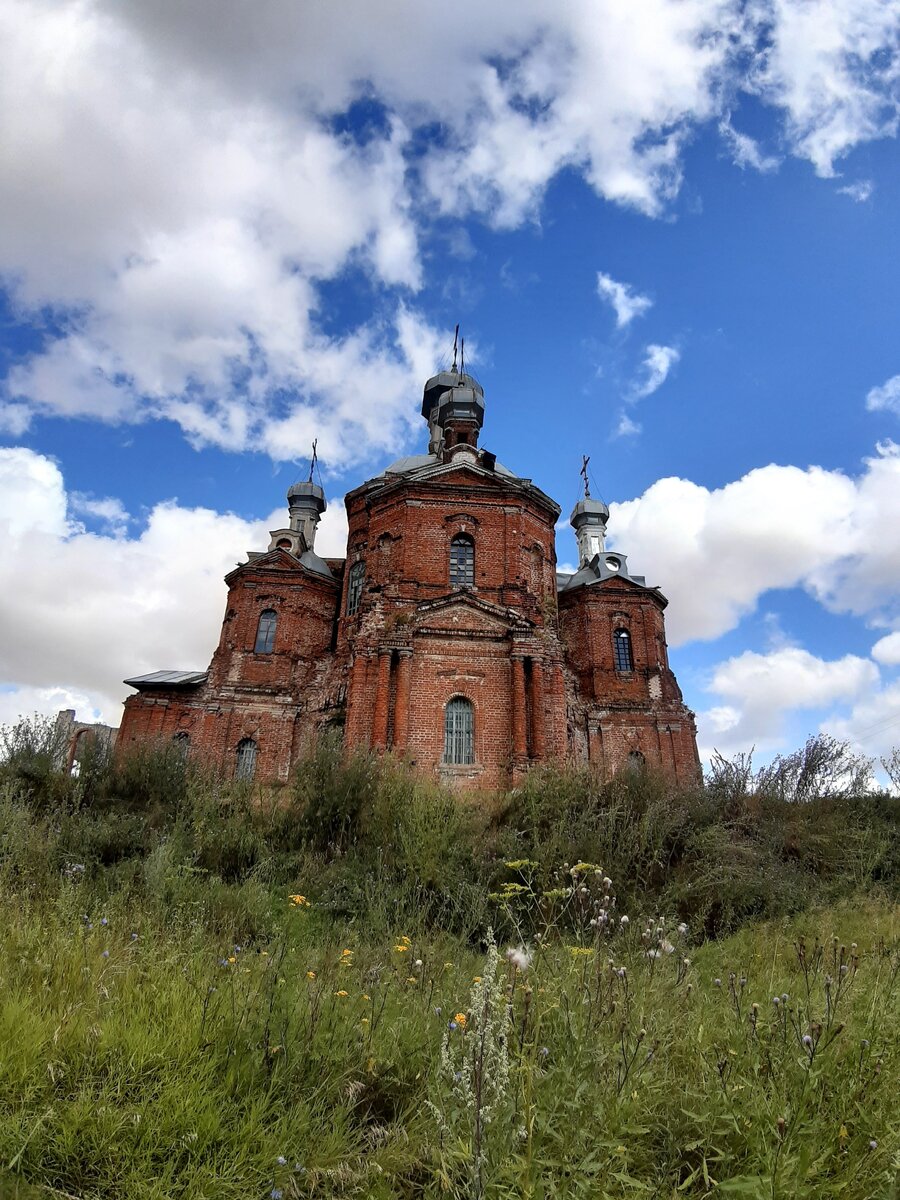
(622, 650)
(265, 632)
(355, 587)
(459, 731)
(462, 562)
(246, 758)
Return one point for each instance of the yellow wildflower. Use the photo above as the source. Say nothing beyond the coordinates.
(365, 997)
(310, 974)
(476, 979)
(581, 951)
(364, 1021)
(412, 979)
(232, 959)
(342, 993)
(299, 901)
(406, 939)
(400, 949)
(448, 966)
(461, 1019)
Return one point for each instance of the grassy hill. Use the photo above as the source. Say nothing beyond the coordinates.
(359, 987)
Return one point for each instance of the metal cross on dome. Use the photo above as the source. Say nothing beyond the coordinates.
(585, 459)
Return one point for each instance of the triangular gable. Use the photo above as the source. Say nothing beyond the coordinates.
(278, 561)
(461, 611)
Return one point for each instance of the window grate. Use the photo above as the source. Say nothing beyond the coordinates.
(355, 587)
(265, 632)
(246, 759)
(622, 650)
(459, 731)
(462, 562)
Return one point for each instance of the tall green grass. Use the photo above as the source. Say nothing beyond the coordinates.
(211, 991)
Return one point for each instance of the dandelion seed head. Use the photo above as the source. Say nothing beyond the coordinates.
(281, 1160)
(807, 1040)
(873, 1145)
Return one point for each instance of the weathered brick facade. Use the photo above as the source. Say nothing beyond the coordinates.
(445, 636)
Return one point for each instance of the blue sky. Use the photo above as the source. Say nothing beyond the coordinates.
(668, 230)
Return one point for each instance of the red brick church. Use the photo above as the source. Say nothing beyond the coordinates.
(445, 636)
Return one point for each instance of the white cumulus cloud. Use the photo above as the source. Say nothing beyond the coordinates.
(178, 180)
(658, 362)
(761, 689)
(717, 551)
(626, 302)
(84, 610)
(885, 398)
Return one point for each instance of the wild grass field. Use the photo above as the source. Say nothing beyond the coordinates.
(360, 987)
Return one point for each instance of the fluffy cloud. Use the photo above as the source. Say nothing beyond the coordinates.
(873, 725)
(745, 151)
(831, 65)
(887, 650)
(626, 302)
(132, 605)
(658, 362)
(885, 398)
(860, 191)
(175, 183)
(760, 689)
(720, 550)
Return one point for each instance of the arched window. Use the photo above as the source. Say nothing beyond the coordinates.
(622, 650)
(462, 561)
(355, 586)
(459, 731)
(265, 632)
(182, 743)
(636, 760)
(246, 759)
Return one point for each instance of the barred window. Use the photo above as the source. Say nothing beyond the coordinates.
(622, 650)
(462, 561)
(265, 632)
(246, 759)
(355, 586)
(459, 731)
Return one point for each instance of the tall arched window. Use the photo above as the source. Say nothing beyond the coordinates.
(459, 731)
(355, 586)
(182, 743)
(622, 650)
(265, 632)
(462, 561)
(245, 767)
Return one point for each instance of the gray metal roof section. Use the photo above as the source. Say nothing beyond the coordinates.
(312, 562)
(608, 565)
(168, 679)
(416, 462)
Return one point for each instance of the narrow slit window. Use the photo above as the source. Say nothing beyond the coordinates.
(622, 650)
(462, 562)
(355, 587)
(265, 632)
(459, 731)
(245, 767)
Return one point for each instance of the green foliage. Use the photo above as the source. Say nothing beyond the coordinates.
(199, 979)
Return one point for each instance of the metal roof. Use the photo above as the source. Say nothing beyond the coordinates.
(415, 462)
(164, 679)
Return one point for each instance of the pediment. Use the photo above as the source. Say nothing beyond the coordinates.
(464, 612)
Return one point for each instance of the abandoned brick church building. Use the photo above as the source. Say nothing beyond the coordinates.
(446, 635)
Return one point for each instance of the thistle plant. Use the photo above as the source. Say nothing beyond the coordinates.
(474, 1071)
